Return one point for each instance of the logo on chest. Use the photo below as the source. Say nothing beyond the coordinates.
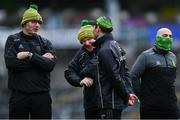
(21, 46)
(173, 63)
(38, 48)
(158, 62)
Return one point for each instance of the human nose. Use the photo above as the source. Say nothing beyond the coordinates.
(85, 43)
(37, 24)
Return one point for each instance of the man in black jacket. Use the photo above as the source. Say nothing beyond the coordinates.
(29, 59)
(113, 88)
(156, 67)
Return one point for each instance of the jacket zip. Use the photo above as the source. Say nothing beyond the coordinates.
(113, 99)
(165, 60)
(100, 90)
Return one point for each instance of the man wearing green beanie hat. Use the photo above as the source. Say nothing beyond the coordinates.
(31, 14)
(85, 36)
(153, 76)
(29, 59)
(112, 87)
(81, 70)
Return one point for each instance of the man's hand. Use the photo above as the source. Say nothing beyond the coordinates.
(48, 55)
(132, 99)
(22, 55)
(87, 82)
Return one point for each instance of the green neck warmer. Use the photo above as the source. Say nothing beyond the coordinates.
(164, 43)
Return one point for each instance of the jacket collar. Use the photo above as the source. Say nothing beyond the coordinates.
(27, 36)
(159, 51)
(86, 51)
(102, 39)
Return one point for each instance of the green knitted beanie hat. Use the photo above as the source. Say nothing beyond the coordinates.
(104, 23)
(85, 32)
(84, 22)
(31, 14)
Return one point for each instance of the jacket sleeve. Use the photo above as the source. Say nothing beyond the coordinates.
(137, 70)
(43, 62)
(72, 72)
(128, 81)
(112, 71)
(10, 56)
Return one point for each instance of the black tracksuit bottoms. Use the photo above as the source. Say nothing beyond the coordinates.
(30, 106)
(156, 113)
(102, 114)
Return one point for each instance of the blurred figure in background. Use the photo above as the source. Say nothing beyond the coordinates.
(114, 89)
(29, 59)
(156, 67)
(81, 69)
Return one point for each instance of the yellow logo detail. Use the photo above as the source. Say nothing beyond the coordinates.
(173, 64)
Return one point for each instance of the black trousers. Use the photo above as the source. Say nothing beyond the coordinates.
(157, 113)
(30, 106)
(103, 114)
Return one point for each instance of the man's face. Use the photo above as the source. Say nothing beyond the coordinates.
(164, 32)
(164, 39)
(87, 43)
(32, 27)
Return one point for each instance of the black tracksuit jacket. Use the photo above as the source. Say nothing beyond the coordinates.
(156, 90)
(114, 84)
(30, 75)
(83, 65)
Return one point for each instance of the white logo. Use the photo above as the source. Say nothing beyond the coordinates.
(21, 46)
(158, 63)
(17, 39)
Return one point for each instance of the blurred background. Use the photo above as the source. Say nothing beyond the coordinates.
(135, 25)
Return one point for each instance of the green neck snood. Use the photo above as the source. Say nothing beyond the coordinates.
(164, 43)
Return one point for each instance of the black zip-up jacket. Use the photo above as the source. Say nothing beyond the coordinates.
(30, 75)
(157, 70)
(114, 85)
(84, 65)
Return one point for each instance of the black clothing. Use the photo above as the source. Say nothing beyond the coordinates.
(92, 114)
(103, 114)
(38, 104)
(29, 79)
(156, 90)
(111, 85)
(32, 75)
(84, 65)
(113, 81)
(151, 112)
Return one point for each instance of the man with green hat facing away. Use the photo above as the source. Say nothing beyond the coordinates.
(156, 67)
(29, 59)
(82, 68)
(114, 89)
